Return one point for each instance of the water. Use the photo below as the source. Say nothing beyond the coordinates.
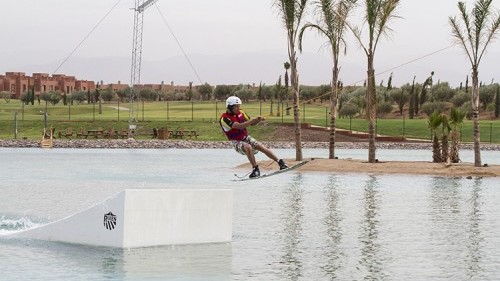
(293, 226)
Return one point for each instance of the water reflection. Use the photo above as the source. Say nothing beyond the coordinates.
(333, 218)
(292, 218)
(194, 262)
(371, 257)
(457, 224)
(445, 213)
(475, 239)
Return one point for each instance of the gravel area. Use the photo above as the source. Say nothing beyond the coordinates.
(186, 144)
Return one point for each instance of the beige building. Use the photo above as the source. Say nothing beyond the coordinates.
(18, 82)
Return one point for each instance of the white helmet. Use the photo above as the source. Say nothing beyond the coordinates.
(232, 100)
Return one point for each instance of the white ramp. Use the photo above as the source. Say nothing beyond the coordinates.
(146, 217)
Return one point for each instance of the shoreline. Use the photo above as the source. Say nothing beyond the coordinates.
(353, 166)
(315, 165)
(189, 144)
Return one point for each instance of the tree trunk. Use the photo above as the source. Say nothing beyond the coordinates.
(444, 148)
(475, 116)
(371, 104)
(334, 97)
(294, 77)
(436, 149)
(455, 140)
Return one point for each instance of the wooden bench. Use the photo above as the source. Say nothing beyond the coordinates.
(191, 134)
(82, 133)
(179, 134)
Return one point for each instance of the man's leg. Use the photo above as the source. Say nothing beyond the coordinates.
(271, 155)
(266, 151)
(249, 152)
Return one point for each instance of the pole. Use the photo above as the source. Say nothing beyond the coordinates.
(491, 133)
(15, 125)
(326, 117)
(282, 113)
(404, 127)
(192, 111)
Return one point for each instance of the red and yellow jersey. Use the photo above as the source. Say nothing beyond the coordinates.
(228, 119)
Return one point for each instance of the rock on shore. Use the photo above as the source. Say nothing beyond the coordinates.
(186, 144)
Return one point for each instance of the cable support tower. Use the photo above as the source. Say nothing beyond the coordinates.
(135, 73)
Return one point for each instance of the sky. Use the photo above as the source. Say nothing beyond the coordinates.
(224, 42)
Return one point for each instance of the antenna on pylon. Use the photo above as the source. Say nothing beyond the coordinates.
(135, 75)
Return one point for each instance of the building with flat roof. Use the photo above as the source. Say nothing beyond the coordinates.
(18, 83)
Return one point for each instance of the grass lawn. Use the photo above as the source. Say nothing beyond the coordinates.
(199, 116)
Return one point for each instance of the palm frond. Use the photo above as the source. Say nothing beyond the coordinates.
(492, 33)
(457, 33)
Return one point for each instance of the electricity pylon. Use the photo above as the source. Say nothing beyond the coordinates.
(135, 75)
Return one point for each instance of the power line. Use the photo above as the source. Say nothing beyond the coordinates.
(393, 68)
(179, 44)
(86, 37)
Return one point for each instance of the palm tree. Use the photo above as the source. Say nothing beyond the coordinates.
(332, 24)
(474, 32)
(377, 17)
(456, 120)
(291, 12)
(434, 122)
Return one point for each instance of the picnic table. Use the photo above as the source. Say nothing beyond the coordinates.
(95, 133)
(179, 134)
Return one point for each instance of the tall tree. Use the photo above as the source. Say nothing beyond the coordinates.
(332, 23)
(291, 12)
(497, 102)
(474, 31)
(378, 13)
(426, 86)
(411, 106)
(287, 66)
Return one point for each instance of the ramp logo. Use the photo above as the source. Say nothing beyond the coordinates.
(109, 221)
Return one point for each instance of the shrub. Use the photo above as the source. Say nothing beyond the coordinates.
(431, 107)
(51, 97)
(487, 94)
(460, 98)
(384, 108)
(442, 92)
(79, 97)
(6, 96)
(349, 110)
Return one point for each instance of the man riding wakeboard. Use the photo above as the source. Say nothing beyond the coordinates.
(234, 123)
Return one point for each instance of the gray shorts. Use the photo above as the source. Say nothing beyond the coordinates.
(238, 145)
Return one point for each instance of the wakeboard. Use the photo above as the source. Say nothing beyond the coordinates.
(295, 166)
